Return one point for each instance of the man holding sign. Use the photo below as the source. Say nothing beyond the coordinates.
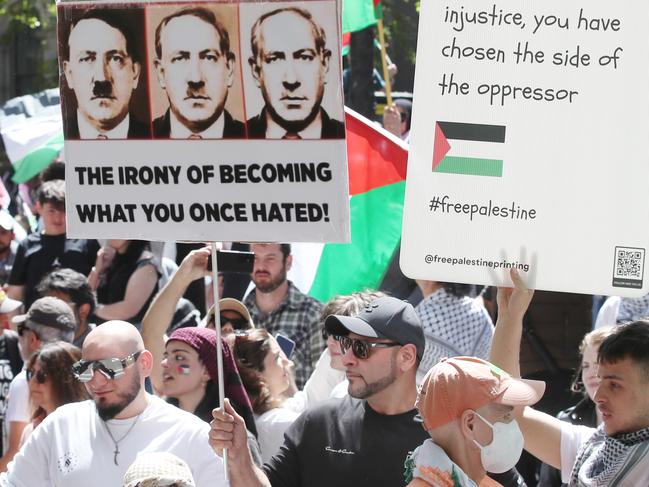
(291, 72)
(195, 67)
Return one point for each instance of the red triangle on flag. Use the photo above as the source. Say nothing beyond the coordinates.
(441, 147)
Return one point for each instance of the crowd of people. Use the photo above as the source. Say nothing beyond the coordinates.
(111, 377)
(109, 354)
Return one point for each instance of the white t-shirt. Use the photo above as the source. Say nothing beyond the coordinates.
(634, 472)
(71, 447)
(607, 314)
(319, 386)
(18, 405)
(341, 390)
(270, 430)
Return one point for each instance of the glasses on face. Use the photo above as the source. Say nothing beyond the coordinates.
(237, 323)
(40, 376)
(361, 348)
(111, 368)
(22, 328)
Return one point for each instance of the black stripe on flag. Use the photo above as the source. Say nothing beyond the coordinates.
(473, 131)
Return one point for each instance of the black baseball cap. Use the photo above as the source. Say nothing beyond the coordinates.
(385, 317)
(49, 311)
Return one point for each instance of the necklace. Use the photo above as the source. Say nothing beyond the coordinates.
(117, 442)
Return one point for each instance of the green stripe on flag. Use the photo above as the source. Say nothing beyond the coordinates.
(357, 15)
(37, 160)
(471, 166)
(376, 229)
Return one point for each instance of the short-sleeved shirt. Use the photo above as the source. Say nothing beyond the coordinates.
(345, 443)
(39, 254)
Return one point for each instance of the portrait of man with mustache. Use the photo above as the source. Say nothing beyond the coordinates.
(102, 67)
(195, 66)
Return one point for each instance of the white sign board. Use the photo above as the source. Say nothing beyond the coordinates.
(529, 145)
(204, 121)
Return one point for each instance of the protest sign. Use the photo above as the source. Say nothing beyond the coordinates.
(528, 145)
(204, 121)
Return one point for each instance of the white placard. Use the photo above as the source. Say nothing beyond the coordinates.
(529, 145)
(219, 142)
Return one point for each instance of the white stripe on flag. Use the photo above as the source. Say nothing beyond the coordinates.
(479, 150)
(22, 137)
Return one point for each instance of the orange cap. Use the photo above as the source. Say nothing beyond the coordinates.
(456, 384)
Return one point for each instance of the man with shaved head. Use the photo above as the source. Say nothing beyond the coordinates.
(94, 442)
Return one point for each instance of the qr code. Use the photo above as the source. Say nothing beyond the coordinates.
(628, 268)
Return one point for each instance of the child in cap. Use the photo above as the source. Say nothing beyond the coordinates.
(467, 406)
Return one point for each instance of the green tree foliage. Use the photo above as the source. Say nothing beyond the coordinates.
(28, 35)
(33, 14)
(401, 18)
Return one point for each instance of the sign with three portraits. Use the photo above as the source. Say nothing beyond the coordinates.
(204, 121)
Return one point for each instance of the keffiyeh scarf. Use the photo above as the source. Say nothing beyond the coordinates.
(603, 460)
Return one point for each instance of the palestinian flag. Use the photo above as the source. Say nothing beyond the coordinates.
(347, 38)
(377, 174)
(32, 140)
(468, 148)
(378, 9)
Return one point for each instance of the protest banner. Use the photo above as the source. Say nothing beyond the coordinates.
(528, 145)
(204, 121)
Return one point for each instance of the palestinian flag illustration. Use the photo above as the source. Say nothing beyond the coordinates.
(468, 148)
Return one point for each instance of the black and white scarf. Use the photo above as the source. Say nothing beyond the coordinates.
(605, 460)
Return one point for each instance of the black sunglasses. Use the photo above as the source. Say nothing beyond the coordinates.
(361, 348)
(237, 323)
(22, 328)
(40, 376)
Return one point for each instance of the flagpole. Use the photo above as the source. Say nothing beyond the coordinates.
(219, 347)
(386, 76)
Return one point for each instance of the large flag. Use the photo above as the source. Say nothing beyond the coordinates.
(377, 171)
(32, 132)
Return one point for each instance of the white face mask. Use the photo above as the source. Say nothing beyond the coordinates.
(505, 448)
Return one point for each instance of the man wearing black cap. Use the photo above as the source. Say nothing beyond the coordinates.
(359, 440)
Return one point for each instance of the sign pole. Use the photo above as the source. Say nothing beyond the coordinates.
(219, 347)
(386, 76)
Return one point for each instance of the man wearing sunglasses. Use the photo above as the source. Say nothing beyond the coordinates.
(96, 440)
(362, 439)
